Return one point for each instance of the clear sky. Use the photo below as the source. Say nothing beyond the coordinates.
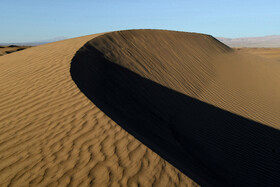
(37, 20)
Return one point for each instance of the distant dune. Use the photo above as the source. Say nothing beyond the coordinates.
(11, 49)
(199, 108)
(35, 43)
(265, 41)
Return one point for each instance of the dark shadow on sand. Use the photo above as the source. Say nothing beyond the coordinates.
(212, 146)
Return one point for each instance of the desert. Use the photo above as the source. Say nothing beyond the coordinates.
(273, 53)
(11, 49)
(140, 108)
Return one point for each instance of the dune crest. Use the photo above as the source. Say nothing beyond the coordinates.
(199, 66)
(52, 135)
(191, 99)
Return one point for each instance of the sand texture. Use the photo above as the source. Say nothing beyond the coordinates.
(52, 135)
(241, 83)
(209, 110)
(70, 113)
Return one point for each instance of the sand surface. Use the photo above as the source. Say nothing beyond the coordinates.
(238, 82)
(52, 135)
(211, 111)
(272, 53)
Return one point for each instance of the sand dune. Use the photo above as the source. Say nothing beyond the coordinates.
(176, 92)
(241, 83)
(207, 109)
(11, 49)
(52, 135)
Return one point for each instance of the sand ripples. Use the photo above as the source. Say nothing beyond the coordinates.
(52, 135)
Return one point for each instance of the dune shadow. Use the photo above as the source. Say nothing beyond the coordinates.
(212, 146)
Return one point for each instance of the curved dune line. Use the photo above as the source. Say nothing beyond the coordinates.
(52, 135)
(201, 67)
(210, 111)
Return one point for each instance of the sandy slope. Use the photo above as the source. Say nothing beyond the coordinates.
(241, 83)
(209, 110)
(52, 135)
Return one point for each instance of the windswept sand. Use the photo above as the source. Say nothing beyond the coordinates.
(52, 135)
(201, 67)
(210, 111)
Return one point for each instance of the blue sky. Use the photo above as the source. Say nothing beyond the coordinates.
(37, 20)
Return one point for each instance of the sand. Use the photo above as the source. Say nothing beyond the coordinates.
(4, 50)
(52, 135)
(54, 132)
(272, 53)
(210, 111)
(238, 82)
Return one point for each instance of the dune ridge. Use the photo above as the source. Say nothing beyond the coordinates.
(52, 135)
(137, 78)
(241, 83)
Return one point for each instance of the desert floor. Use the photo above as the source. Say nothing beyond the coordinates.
(273, 53)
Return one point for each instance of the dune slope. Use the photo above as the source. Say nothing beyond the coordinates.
(237, 82)
(52, 135)
(207, 109)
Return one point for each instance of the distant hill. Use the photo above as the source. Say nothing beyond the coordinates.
(265, 41)
(35, 43)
